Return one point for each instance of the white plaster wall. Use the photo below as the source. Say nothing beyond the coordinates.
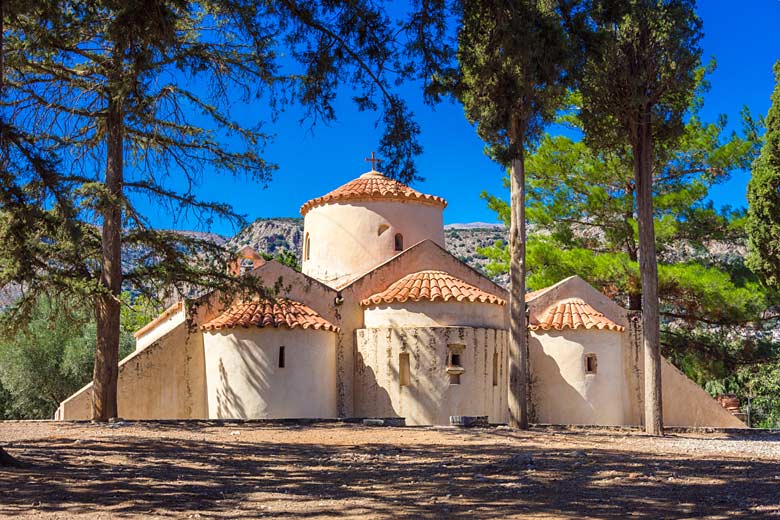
(430, 398)
(562, 393)
(164, 380)
(244, 380)
(435, 314)
(425, 255)
(167, 324)
(344, 239)
(686, 404)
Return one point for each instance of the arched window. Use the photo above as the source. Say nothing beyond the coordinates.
(382, 229)
(399, 242)
(307, 247)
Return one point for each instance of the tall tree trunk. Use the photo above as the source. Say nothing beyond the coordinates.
(518, 328)
(634, 302)
(104, 393)
(634, 299)
(648, 268)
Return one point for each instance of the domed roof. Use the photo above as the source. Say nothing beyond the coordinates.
(432, 286)
(268, 312)
(572, 313)
(373, 186)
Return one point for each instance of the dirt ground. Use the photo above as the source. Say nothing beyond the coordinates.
(199, 470)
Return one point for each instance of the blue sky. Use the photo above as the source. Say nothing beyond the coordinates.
(743, 36)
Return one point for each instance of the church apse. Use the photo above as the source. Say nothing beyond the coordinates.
(270, 359)
(433, 346)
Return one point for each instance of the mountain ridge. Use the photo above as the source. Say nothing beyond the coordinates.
(275, 235)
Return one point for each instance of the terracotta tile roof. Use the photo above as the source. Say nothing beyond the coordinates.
(572, 313)
(373, 185)
(270, 313)
(431, 286)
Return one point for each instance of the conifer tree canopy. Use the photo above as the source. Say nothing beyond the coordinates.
(515, 61)
(763, 225)
(106, 102)
(639, 78)
(715, 315)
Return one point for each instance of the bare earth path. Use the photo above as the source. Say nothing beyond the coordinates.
(147, 470)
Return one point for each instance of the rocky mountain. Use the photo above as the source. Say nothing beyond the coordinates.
(463, 240)
(274, 235)
(271, 236)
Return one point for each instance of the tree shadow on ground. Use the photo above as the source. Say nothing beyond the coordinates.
(485, 476)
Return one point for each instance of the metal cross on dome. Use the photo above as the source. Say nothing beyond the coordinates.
(373, 160)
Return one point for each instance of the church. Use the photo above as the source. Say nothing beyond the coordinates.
(383, 322)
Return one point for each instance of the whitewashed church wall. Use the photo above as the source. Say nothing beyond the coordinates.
(349, 239)
(435, 314)
(430, 398)
(425, 255)
(169, 320)
(245, 381)
(165, 380)
(687, 404)
(561, 390)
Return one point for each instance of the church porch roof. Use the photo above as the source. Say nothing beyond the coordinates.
(267, 312)
(571, 313)
(432, 286)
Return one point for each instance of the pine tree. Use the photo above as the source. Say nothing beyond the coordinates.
(763, 223)
(108, 100)
(638, 82)
(581, 210)
(515, 63)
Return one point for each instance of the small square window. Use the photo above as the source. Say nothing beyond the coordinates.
(454, 355)
(454, 368)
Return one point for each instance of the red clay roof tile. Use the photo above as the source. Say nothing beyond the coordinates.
(431, 286)
(373, 185)
(572, 313)
(270, 313)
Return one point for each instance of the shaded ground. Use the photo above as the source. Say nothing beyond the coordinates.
(147, 470)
